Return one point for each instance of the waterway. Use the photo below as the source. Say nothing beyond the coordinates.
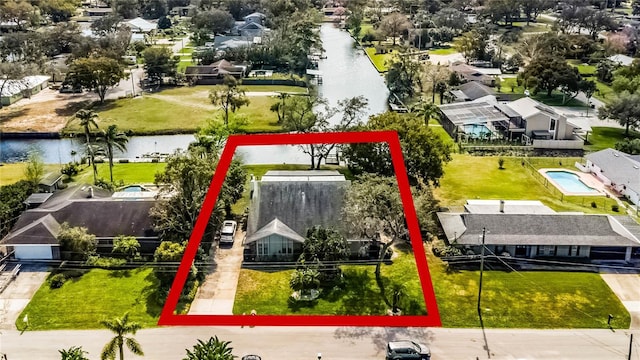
(347, 72)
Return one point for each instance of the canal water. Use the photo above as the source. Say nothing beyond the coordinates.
(347, 72)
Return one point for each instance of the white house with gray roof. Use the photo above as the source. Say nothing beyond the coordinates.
(526, 231)
(285, 204)
(618, 170)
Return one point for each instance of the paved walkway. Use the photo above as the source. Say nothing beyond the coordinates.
(218, 292)
(627, 288)
(18, 294)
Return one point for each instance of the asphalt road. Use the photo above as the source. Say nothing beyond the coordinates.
(304, 343)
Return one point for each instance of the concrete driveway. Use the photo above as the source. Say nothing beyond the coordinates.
(19, 292)
(218, 292)
(627, 288)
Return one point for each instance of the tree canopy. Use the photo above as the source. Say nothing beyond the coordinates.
(96, 73)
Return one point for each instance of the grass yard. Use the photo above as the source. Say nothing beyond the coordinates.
(584, 69)
(443, 51)
(11, 173)
(473, 177)
(379, 60)
(83, 302)
(555, 99)
(435, 126)
(531, 299)
(130, 173)
(607, 137)
(268, 292)
(155, 113)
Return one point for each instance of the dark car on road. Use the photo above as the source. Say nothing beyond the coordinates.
(251, 357)
(407, 349)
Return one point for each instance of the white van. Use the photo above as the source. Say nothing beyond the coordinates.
(228, 231)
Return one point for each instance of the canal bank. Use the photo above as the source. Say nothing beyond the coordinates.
(347, 73)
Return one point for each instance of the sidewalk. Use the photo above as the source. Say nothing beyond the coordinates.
(627, 289)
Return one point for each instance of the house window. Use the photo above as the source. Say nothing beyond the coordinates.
(263, 247)
(575, 250)
(552, 125)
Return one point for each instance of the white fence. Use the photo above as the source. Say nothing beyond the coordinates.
(558, 144)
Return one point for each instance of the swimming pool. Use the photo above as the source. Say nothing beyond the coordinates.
(133, 188)
(476, 131)
(570, 182)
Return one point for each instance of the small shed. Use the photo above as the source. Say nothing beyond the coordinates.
(51, 182)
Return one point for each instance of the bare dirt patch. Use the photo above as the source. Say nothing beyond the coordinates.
(47, 111)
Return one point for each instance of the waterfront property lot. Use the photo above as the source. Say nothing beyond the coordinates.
(11, 173)
(528, 299)
(81, 303)
(472, 177)
(268, 292)
(184, 110)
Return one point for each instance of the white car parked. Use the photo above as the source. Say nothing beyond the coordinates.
(228, 231)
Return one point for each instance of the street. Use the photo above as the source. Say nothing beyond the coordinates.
(339, 343)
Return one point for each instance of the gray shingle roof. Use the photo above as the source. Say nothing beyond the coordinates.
(475, 90)
(298, 204)
(536, 229)
(618, 167)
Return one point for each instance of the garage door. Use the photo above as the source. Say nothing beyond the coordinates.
(608, 253)
(33, 252)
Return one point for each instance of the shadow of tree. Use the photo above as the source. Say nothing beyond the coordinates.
(359, 294)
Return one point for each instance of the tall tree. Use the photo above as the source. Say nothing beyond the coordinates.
(113, 140)
(403, 76)
(19, 12)
(212, 349)
(214, 21)
(96, 73)
(59, 10)
(426, 111)
(159, 62)
(76, 243)
(323, 246)
(394, 24)
(34, 171)
(228, 96)
(549, 73)
(87, 121)
(189, 176)
(425, 154)
(122, 327)
(625, 109)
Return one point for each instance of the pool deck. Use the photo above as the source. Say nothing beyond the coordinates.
(588, 179)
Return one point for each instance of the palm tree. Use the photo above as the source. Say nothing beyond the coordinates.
(87, 120)
(73, 353)
(427, 110)
(121, 327)
(213, 349)
(113, 139)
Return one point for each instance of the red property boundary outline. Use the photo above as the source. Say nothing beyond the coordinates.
(168, 317)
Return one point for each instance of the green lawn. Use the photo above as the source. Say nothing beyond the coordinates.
(584, 69)
(268, 292)
(156, 113)
(472, 177)
(83, 302)
(528, 299)
(11, 173)
(129, 173)
(555, 99)
(607, 137)
(443, 51)
(435, 126)
(379, 60)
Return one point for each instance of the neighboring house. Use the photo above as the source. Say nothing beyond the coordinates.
(470, 91)
(15, 90)
(51, 182)
(284, 204)
(527, 231)
(618, 170)
(485, 76)
(525, 119)
(141, 26)
(98, 12)
(34, 236)
(474, 90)
(182, 10)
(256, 18)
(214, 73)
(250, 28)
(223, 42)
(620, 59)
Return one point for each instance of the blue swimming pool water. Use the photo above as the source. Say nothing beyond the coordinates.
(570, 182)
(478, 131)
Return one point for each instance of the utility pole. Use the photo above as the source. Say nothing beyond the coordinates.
(484, 231)
(630, 346)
